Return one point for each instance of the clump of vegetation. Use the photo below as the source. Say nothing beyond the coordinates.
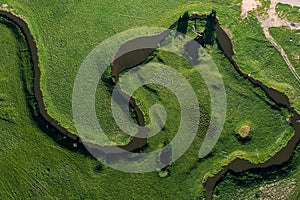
(163, 173)
(182, 25)
(288, 12)
(244, 132)
(210, 28)
(99, 168)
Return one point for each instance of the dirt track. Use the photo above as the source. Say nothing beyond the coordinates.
(272, 20)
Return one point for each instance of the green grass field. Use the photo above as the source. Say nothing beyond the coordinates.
(288, 12)
(63, 44)
(49, 173)
(290, 41)
(34, 166)
(39, 166)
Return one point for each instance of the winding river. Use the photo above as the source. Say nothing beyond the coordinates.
(49, 122)
(240, 165)
(237, 165)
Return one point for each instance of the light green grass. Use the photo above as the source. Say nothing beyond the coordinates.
(289, 40)
(241, 107)
(63, 44)
(57, 169)
(288, 12)
(34, 166)
(245, 104)
(255, 55)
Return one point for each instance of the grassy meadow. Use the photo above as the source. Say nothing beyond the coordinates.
(63, 43)
(66, 31)
(289, 40)
(34, 166)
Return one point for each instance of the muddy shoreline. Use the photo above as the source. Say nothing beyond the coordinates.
(237, 165)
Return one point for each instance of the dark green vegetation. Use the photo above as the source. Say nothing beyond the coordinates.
(63, 44)
(183, 23)
(209, 31)
(288, 12)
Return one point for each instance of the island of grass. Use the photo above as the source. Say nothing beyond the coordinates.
(244, 102)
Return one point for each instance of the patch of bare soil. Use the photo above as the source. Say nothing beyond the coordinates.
(248, 6)
(271, 19)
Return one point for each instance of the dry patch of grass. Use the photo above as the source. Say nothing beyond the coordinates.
(244, 131)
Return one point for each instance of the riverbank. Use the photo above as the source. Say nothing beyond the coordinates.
(241, 165)
(136, 143)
